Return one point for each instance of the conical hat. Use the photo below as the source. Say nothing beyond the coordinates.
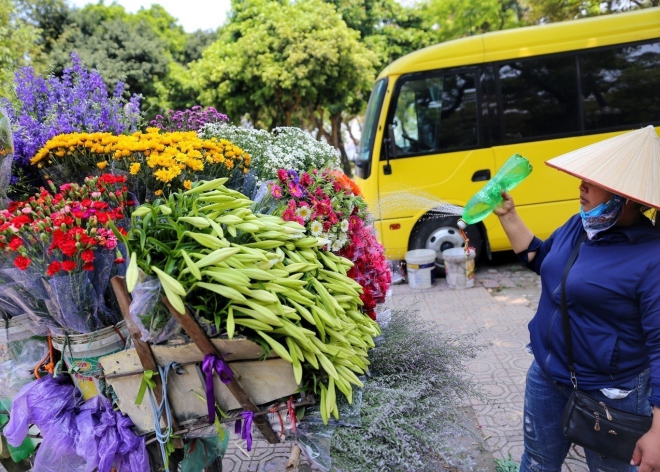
(628, 165)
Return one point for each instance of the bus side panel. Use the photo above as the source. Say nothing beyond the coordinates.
(395, 235)
(418, 184)
(543, 219)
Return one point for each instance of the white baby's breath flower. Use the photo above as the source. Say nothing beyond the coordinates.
(316, 228)
(344, 225)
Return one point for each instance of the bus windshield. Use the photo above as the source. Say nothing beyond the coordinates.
(369, 129)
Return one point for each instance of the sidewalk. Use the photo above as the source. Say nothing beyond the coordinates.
(501, 304)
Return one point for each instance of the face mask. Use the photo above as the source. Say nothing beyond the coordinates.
(603, 217)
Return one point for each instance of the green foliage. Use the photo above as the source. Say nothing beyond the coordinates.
(17, 42)
(508, 465)
(274, 59)
(119, 49)
(411, 402)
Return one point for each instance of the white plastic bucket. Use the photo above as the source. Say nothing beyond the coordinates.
(420, 264)
(83, 352)
(459, 269)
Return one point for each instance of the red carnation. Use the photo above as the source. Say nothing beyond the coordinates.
(88, 266)
(119, 260)
(22, 262)
(15, 243)
(53, 268)
(87, 256)
(69, 265)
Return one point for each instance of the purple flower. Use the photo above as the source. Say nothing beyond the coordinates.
(78, 101)
(193, 119)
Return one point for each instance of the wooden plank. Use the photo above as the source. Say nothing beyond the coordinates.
(263, 381)
(141, 348)
(204, 344)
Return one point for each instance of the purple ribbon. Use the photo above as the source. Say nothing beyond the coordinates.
(246, 431)
(213, 362)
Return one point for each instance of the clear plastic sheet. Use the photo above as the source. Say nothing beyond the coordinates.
(315, 438)
(150, 315)
(30, 292)
(6, 156)
(78, 437)
(16, 370)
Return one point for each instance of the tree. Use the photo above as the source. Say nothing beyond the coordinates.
(281, 63)
(17, 44)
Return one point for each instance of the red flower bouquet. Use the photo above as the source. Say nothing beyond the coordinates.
(59, 252)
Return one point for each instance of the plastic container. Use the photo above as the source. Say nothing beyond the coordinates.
(485, 200)
(83, 351)
(459, 269)
(420, 266)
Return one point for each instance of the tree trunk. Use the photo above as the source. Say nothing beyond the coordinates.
(336, 122)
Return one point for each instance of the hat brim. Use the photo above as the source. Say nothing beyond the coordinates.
(627, 164)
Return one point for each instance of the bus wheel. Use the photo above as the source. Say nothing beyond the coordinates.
(440, 234)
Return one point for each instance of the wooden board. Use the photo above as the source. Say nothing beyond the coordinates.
(263, 381)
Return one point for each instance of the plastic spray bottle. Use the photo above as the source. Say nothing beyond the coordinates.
(488, 198)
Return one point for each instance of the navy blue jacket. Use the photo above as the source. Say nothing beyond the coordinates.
(613, 296)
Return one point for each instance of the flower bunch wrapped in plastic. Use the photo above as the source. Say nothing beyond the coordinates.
(319, 201)
(193, 119)
(77, 101)
(162, 161)
(59, 251)
(329, 205)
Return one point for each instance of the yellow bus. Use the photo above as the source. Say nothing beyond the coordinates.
(442, 120)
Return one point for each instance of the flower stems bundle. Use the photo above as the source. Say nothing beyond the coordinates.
(258, 276)
(59, 250)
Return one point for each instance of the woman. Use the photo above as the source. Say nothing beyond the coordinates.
(613, 299)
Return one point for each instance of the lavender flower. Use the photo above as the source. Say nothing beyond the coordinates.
(77, 101)
(188, 120)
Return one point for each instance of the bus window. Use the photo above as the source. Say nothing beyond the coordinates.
(436, 114)
(620, 86)
(363, 161)
(539, 98)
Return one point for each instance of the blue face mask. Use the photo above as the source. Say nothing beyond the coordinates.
(602, 217)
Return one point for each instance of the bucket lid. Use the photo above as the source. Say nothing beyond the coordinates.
(420, 256)
(457, 253)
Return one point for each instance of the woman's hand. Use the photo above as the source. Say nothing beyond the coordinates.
(647, 452)
(507, 207)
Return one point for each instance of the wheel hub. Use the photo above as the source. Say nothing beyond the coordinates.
(442, 239)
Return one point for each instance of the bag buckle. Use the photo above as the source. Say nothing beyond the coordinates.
(574, 380)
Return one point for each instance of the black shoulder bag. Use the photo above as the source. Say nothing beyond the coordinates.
(587, 422)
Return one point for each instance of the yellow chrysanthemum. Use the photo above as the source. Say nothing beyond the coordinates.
(187, 184)
(102, 165)
(135, 168)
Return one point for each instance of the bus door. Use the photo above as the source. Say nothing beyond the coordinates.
(438, 147)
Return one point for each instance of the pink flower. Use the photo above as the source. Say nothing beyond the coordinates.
(296, 190)
(111, 243)
(26, 211)
(282, 175)
(306, 179)
(276, 191)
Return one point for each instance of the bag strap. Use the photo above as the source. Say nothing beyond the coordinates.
(564, 310)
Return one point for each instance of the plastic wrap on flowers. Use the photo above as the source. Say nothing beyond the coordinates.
(6, 156)
(16, 370)
(150, 315)
(30, 293)
(201, 453)
(78, 437)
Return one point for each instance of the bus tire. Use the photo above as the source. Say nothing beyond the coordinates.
(440, 234)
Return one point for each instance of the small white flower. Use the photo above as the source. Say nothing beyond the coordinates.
(316, 228)
(344, 225)
(304, 212)
(337, 245)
